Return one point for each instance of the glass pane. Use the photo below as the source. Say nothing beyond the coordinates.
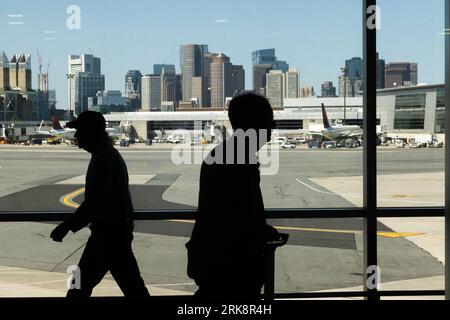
(84, 62)
(31, 265)
(321, 255)
(411, 254)
(77, 71)
(411, 104)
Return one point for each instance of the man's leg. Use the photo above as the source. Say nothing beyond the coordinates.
(93, 267)
(125, 270)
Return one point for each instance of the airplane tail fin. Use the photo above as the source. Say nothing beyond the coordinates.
(326, 123)
(55, 122)
(40, 126)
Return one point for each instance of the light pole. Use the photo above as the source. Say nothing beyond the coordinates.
(344, 74)
(70, 76)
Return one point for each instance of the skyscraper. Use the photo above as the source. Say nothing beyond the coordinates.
(381, 74)
(197, 92)
(221, 80)
(264, 56)
(328, 90)
(237, 79)
(352, 85)
(20, 72)
(354, 67)
(24, 72)
(4, 72)
(281, 65)
(13, 71)
(133, 89)
(170, 84)
(43, 82)
(307, 92)
(275, 88)
(291, 84)
(168, 68)
(401, 74)
(191, 66)
(261, 59)
(84, 80)
(206, 78)
(151, 92)
(259, 77)
(132, 82)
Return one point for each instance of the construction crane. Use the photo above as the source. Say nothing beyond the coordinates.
(48, 65)
(46, 78)
(40, 61)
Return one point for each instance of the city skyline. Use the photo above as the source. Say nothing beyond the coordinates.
(302, 40)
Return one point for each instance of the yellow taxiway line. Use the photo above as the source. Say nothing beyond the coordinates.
(380, 234)
(68, 201)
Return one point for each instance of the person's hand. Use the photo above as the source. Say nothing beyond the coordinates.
(59, 232)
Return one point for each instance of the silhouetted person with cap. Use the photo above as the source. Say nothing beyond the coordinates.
(226, 249)
(108, 209)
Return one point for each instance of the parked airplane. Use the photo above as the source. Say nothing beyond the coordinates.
(337, 132)
(58, 131)
(64, 133)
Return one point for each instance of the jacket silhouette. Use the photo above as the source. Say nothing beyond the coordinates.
(226, 249)
(107, 209)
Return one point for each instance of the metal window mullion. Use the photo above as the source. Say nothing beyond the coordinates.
(324, 213)
(369, 151)
(447, 149)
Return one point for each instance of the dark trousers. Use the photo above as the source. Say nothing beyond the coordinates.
(109, 252)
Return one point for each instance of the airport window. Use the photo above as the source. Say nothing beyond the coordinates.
(411, 157)
(409, 111)
(177, 125)
(315, 189)
(440, 111)
(359, 122)
(289, 124)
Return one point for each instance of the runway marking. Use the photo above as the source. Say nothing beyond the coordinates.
(398, 234)
(380, 234)
(134, 179)
(67, 199)
(314, 189)
(3, 287)
(171, 284)
(359, 195)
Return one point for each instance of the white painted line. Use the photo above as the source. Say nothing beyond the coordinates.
(360, 195)
(172, 284)
(18, 285)
(134, 179)
(317, 190)
(75, 180)
(139, 179)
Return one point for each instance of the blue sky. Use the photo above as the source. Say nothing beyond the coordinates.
(315, 37)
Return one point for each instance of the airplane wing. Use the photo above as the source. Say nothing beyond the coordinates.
(44, 133)
(356, 134)
(316, 134)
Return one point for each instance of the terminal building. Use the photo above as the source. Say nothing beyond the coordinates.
(402, 112)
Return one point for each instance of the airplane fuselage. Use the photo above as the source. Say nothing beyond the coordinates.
(66, 134)
(342, 132)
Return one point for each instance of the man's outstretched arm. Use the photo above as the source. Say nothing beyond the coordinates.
(77, 221)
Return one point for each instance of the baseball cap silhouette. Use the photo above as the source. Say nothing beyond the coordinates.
(88, 120)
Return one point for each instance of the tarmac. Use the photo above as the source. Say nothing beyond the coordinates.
(322, 254)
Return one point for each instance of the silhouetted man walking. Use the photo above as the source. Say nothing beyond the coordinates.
(226, 249)
(108, 209)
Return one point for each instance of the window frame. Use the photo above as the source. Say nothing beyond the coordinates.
(370, 212)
